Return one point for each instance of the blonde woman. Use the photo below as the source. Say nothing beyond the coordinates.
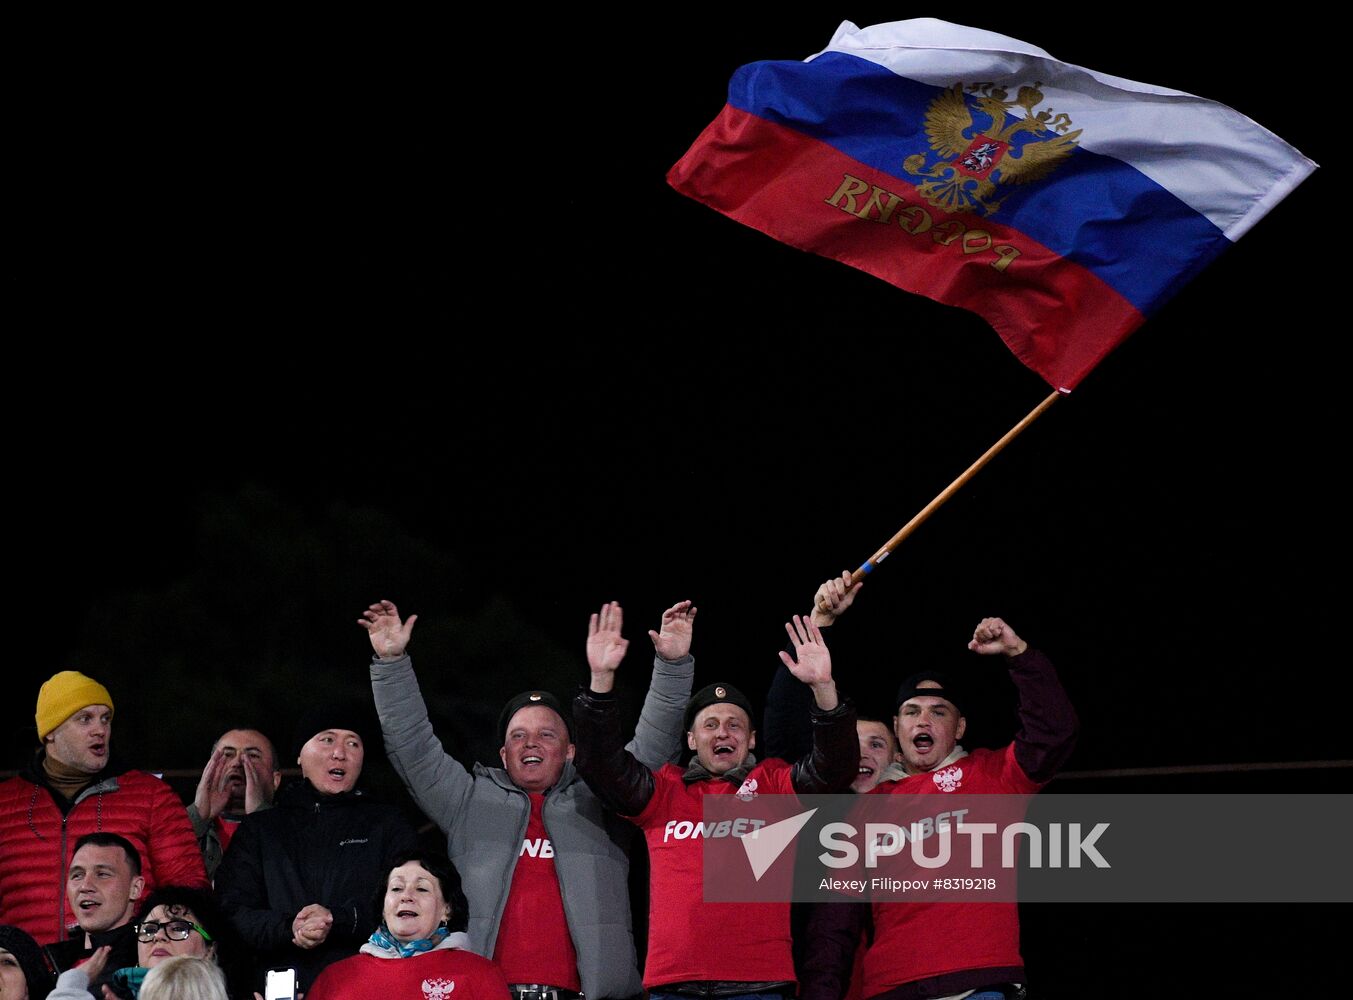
(185, 977)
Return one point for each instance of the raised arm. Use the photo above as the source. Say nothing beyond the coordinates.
(786, 732)
(834, 598)
(620, 781)
(1047, 719)
(436, 780)
(831, 764)
(658, 737)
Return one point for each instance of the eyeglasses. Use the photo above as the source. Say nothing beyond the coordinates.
(175, 930)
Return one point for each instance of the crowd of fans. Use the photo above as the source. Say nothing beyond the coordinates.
(111, 887)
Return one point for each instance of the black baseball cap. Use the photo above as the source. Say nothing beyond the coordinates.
(525, 700)
(948, 689)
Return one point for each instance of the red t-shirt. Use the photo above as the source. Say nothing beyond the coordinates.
(920, 940)
(690, 940)
(225, 829)
(533, 944)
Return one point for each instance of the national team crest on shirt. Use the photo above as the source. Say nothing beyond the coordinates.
(438, 989)
(949, 779)
(1011, 149)
(748, 790)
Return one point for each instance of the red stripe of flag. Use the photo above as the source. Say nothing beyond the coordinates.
(1057, 317)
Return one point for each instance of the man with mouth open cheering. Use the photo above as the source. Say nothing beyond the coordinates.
(753, 953)
(297, 879)
(104, 888)
(240, 778)
(545, 867)
(927, 949)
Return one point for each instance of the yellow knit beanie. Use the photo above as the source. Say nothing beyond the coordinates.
(63, 695)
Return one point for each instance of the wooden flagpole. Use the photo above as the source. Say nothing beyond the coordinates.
(950, 490)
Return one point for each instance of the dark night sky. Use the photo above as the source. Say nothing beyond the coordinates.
(328, 322)
(328, 312)
(335, 316)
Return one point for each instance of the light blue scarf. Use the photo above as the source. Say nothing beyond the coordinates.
(382, 941)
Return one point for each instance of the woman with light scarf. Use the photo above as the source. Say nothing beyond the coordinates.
(419, 950)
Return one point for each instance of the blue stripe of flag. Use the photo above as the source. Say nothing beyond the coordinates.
(1098, 211)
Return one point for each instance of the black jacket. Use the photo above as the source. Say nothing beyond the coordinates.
(67, 954)
(309, 848)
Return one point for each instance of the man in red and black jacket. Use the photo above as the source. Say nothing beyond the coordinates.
(753, 955)
(921, 950)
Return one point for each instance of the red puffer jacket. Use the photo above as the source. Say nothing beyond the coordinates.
(36, 843)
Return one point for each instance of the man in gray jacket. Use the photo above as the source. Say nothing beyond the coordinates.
(545, 867)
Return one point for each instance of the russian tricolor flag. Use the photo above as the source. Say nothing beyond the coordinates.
(1062, 205)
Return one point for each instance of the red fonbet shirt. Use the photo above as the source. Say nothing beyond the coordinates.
(533, 941)
(690, 940)
(920, 940)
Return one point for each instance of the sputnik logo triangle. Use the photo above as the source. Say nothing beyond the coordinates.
(763, 846)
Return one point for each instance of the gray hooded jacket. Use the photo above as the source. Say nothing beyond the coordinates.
(484, 816)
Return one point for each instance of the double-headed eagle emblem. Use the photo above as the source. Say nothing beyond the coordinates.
(1011, 150)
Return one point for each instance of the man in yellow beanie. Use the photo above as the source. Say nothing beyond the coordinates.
(75, 716)
(72, 788)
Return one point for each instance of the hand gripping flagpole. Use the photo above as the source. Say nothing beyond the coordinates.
(950, 490)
